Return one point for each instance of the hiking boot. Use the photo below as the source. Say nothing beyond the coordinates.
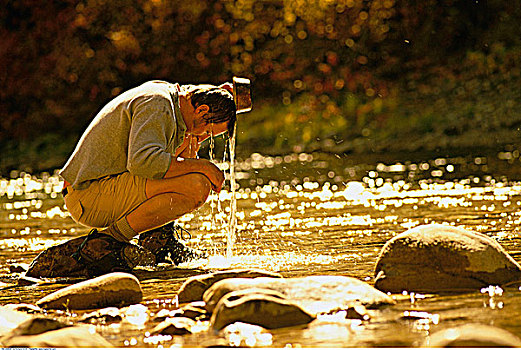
(164, 243)
(101, 254)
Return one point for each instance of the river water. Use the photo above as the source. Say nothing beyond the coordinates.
(302, 214)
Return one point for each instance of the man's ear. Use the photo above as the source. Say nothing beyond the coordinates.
(202, 110)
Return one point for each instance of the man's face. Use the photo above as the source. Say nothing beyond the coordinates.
(204, 131)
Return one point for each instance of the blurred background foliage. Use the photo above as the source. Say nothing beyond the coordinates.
(333, 75)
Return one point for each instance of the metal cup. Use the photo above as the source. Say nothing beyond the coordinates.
(242, 94)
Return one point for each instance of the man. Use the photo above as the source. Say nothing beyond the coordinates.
(134, 171)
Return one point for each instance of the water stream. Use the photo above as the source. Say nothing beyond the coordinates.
(302, 214)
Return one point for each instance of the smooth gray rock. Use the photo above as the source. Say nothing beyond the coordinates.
(472, 335)
(317, 294)
(439, 258)
(113, 289)
(194, 287)
(69, 337)
(174, 326)
(259, 307)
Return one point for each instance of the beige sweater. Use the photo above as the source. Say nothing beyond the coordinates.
(138, 131)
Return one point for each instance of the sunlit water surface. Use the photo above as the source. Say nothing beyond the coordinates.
(300, 214)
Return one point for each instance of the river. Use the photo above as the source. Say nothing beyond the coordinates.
(302, 214)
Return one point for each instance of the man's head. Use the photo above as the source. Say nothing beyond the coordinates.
(221, 108)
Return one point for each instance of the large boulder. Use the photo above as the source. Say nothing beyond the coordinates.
(69, 337)
(194, 287)
(471, 336)
(439, 258)
(317, 294)
(259, 307)
(113, 289)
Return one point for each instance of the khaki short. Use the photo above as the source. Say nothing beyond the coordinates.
(106, 200)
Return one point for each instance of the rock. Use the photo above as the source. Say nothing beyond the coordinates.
(69, 337)
(29, 308)
(104, 316)
(195, 312)
(36, 325)
(18, 268)
(174, 326)
(472, 335)
(258, 308)
(194, 287)
(24, 280)
(317, 294)
(439, 258)
(10, 319)
(113, 289)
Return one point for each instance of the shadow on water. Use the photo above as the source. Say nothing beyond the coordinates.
(303, 214)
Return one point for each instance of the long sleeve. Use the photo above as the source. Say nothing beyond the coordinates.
(152, 129)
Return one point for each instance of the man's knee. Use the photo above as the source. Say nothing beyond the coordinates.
(200, 189)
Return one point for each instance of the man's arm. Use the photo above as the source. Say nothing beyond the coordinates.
(182, 166)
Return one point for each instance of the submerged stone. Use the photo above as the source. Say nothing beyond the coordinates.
(194, 287)
(439, 258)
(174, 326)
(103, 316)
(472, 335)
(317, 294)
(113, 289)
(69, 337)
(258, 307)
(29, 308)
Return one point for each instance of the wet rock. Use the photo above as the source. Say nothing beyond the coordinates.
(194, 287)
(18, 268)
(10, 319)
(36, 325)
(69, 337)
(355, 312)
(104, 316)
(258, 308)
(24, 280)
(318, 294)
(440, 258)
(194, 311)
(174, 326)
(472, 335)
(113, 289)
(29, 308)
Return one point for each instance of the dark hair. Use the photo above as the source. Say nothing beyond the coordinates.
(220, 102)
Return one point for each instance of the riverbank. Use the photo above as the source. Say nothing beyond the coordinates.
(439, 116)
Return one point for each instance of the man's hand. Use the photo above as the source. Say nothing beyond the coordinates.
(189, 147)
(215, 175)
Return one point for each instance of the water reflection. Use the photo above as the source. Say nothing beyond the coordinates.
(304, 214)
